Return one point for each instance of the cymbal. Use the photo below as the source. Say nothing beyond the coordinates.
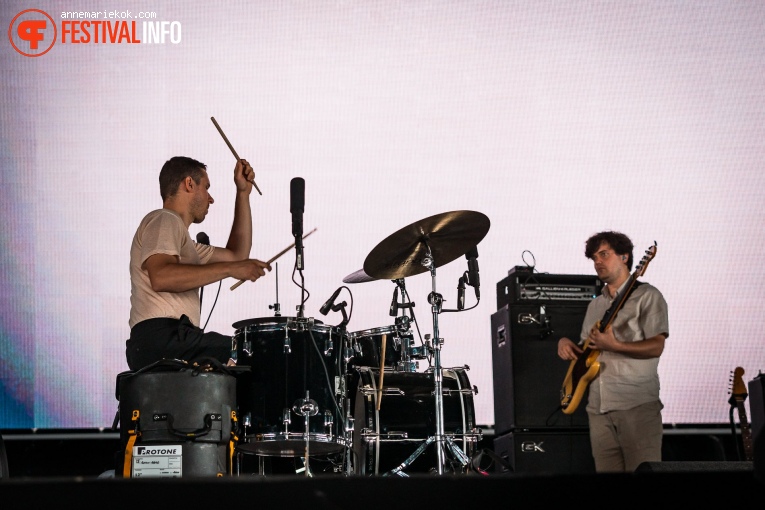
(358, 277)
(449, 235)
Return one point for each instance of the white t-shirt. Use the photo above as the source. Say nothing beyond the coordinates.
(163, 231)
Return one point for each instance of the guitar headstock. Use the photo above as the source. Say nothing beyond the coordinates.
(650, 253)
(738, 391)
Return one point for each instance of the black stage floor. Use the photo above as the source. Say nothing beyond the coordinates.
(680, 488)
(50, 470)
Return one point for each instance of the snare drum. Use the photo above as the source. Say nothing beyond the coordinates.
(384, 439)
(293, 395)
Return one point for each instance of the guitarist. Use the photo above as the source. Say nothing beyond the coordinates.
(623, 408)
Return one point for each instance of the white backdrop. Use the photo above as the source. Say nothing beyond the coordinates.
(555, 119)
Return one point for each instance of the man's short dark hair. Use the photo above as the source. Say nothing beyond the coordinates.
(175, 170)
(620, 243)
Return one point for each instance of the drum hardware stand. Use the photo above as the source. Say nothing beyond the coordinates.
(306, 408)
(402, 324)
(395, 305)
(276, 307)
(442, 443)
(345, 355)
(461, 457)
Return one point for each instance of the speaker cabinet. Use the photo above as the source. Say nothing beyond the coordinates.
(527, 372)
(757, 410)
(546, 452)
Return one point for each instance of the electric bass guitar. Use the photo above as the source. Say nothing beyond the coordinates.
(738, 395)
(586, 366)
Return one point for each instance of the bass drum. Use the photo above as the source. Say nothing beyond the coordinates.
(292, 396)
(383, 439)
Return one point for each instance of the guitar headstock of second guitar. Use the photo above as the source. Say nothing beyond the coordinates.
(738, 391)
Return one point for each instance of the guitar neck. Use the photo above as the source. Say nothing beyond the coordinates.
(737, 397)
(746, 431)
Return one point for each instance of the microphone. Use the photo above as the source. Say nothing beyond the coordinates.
(473, 277)
(461, 293)
(394, 303)
(297, 204)
(324, 310)
(202, 238)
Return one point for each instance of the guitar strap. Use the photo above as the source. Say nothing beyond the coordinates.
(618, 303)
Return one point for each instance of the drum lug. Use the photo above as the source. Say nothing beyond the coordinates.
(287, 341)
(339, 385)
(286, 419)
(328, 346)
(370, 435)
(368, 391)
(407, 366)
(329, 422)
(348, 353)
(234, 348)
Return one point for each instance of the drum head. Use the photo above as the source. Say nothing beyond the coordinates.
(268, 320)
(388, 330)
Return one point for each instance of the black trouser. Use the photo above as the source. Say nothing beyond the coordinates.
(165, 338)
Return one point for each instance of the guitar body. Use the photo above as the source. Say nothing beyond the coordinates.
(580, 373)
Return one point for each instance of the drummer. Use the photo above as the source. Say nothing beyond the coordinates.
(167, 268)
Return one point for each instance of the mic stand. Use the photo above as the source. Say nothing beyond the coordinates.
(276, 307)
(441, 442)
(299, 268)
(344, 356)
(402, 323)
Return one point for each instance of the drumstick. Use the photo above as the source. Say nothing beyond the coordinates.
(285, 250)
(232, 148)
(382, 371)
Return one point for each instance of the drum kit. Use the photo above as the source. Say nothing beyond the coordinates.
(313, 391)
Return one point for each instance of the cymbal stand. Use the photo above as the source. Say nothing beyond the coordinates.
(442, 443)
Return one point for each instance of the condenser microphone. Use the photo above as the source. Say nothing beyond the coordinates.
(473, 277)
(297, 205)
(461, 293)
(324, 310)
(394, 303)
(202, 238)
